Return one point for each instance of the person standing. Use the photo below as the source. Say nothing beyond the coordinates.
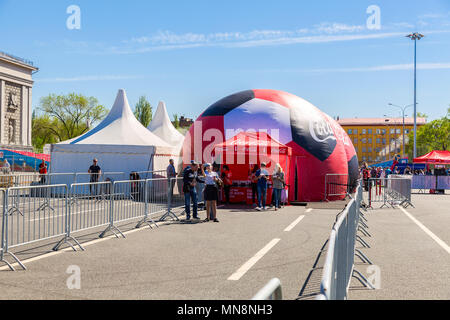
(263, 175)
(278, 185)
(200, 187)
(171, 175)
(190, 178)
(211, 193)
(366, 176)
(227, 182)
(95, 171)
(254, 183)
(6, 167)
(43, 172)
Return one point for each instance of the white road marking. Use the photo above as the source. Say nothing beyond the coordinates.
(427, 231)
(251, 262)
(293, 224)
(309, 210)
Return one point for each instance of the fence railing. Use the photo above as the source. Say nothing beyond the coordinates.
(42, 212)
(424, 182)
(271, 291)
(336, 185)
(391, 191)
(339, 262)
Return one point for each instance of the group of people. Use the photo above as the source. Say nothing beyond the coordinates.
(259, 177)
(194, 176)
(203, 182)
(379, 172)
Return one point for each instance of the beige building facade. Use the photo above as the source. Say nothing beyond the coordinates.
(16, 86)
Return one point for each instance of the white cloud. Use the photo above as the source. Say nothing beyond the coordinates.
(333, 28)
(252, 41)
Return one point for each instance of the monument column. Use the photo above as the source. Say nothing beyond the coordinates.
(24, 117)
(30, 116)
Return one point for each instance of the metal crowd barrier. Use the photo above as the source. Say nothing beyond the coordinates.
(271, 291)
(155, 174)
(31, 179)
(339, 262)
(377, 192)
(37, 213)
(336, 185)
(443, 183)
(423, 182)
(399, 191)
(393, 191)
(32, 214)
(175, 197)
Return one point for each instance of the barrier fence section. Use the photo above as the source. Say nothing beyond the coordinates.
(155, 174)
(339, 262)
(377, 192)
(391, 191)
(398, 191)
(38, 213)
(336, 185)
(443, 183)
(271, 291)
(31, 214)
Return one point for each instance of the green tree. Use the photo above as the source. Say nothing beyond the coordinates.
(41, 133)
(143, 111)
(176, 122)
(434, 135)
(68, 116)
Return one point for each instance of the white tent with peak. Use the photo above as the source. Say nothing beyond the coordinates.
(120, 143)
(162, 127)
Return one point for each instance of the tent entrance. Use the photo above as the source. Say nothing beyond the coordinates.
(297, 178)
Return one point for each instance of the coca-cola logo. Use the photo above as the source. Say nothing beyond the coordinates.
(312, 132)
(321, 131)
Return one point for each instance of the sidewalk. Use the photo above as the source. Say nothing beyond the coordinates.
(413, 265)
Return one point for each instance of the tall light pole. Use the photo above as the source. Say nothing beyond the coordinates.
(415, 36)
(403, 115)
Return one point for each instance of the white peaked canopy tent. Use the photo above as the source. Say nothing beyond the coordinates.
(120, 143)
(162, 127)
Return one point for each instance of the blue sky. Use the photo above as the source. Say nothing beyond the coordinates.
(191, 54)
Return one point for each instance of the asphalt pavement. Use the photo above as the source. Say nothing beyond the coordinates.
(411, 249)
(182, 260)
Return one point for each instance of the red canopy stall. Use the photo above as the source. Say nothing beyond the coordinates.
(434, 157)
(243, 151)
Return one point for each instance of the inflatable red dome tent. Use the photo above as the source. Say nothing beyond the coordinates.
(243, 151)
(319, 144)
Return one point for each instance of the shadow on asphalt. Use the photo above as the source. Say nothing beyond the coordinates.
(311, 286)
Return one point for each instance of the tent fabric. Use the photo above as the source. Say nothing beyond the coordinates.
(162, 127)
(435, 156)
(120, 127)
(253, 142)
(120, 143)
(244, 150)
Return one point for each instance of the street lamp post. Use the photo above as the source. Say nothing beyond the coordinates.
(403, 115)
(415, 36)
